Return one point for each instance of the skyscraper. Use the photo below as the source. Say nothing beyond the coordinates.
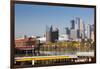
(81, 28)
(88, 31)
(48, 34)
(51, 35)
(72, 24)
(92, 32)
(77, 29)
(68, 32)
(74, 30)
(73, 34)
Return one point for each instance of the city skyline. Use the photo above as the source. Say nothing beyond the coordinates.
(32, 19)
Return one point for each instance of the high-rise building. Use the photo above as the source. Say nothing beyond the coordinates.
(48, 34)
(51, 35)
(54, 35)
(92, 35)
(88, 31)
(68, 32)
(77, 29)
(73, 34)
(80, 28)
(72, 24)
(74, 29)
(92, 32)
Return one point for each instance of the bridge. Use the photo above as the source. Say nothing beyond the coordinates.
(44, 57)
(55, 59)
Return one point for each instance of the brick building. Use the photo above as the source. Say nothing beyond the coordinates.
(24, 45)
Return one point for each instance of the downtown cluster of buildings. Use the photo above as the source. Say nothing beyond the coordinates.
(76, 31)
(80, 30)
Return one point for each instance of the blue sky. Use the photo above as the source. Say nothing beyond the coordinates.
(32, 19)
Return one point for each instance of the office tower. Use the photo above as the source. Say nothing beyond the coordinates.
(92, 35)
(77, 29)
(68, 32)
(81, 28)
(74, 30)
(88, 33)
(91, 28)
(51, 35)
(92, 32)
(48, 34)
(72, 24)
(73, 34)
(54, 35)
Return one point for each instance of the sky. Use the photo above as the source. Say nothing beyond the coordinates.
(31, 20)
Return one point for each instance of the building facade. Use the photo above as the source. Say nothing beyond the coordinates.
(51, 35)
(24, 45)
(76, 30)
